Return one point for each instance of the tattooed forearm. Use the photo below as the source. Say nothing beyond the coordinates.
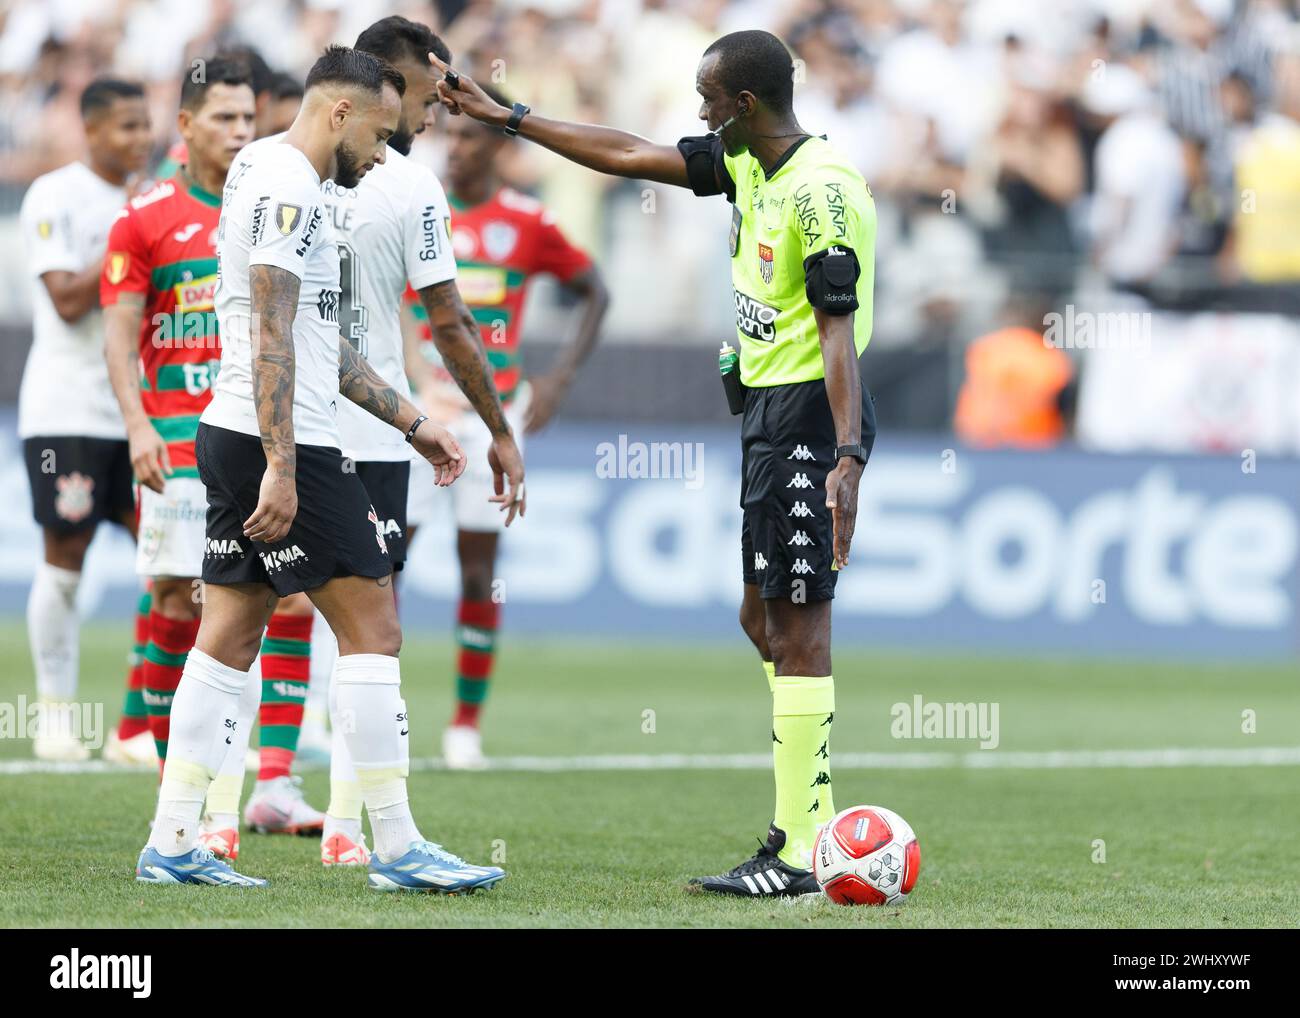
(456, 335)
(359, 382)
(274, 299)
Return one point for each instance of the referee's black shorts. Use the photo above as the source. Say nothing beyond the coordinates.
(787, 449)
(335, 533)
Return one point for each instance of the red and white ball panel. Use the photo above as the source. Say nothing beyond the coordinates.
(866, 855)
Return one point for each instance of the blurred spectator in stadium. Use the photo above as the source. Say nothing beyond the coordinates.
(938, 74)
(1141, 180)
(1029, 172)
(1266, 228)
(1018, 390)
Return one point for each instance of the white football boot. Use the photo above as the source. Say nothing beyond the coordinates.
(137, 751)
(462, 748)
(277, 807)
(54, 739)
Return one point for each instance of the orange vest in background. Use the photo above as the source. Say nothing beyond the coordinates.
(1009, 396)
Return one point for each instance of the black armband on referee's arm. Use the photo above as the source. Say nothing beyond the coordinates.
(831, 280)
(705, 170)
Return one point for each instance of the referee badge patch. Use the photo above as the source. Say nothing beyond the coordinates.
(736, 219)
(765, 263)
(287, 217)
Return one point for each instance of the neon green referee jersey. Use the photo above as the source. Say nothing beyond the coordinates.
(813, 199)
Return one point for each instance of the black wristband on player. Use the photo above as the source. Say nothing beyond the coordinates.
(410, 434)
(856, 451)
(517, 114)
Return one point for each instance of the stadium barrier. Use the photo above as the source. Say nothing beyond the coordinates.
(633, 532)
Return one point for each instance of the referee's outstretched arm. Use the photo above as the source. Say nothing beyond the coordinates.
(604, 149)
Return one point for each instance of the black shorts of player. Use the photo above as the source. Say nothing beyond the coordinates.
(386, 484)
(77, 482)
(335, 532)
(787, 449)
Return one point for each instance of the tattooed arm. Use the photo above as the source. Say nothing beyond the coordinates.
(364, 386)
(456, 335)
(274, 301)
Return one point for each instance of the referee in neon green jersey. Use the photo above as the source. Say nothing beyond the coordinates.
(802, 249)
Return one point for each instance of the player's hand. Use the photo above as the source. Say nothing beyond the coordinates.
(842, 501)
(548, 392)
(149, 460)
(277, 505)
(507, 476)
(436, 444)
(466, 97)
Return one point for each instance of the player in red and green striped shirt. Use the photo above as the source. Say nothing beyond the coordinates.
(160, 273)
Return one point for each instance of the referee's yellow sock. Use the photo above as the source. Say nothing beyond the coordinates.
(802, 710)
(769, 669)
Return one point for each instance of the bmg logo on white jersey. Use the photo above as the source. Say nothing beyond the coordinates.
(429, 226)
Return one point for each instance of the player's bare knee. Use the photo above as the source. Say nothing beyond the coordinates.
(476, 582)
(67, 551)
(179, 599)
(752, 623)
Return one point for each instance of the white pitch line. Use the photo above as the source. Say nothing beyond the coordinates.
(1083, 759)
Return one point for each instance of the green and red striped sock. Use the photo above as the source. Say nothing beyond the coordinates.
(286, 661)
(135, 716)
(170, 642)
(476, 633)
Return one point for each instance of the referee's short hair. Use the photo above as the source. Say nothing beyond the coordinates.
(341, 65)
(757, 62)
(101, 93)
(396, 38)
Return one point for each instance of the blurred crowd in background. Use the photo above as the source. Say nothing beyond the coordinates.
(1023, 153)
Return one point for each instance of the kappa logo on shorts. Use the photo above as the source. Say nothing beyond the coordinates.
(802, 567)
(222, 547)
(800, 481)
(801, 453)
(75, 498)
(800, 509)
(274, 561)
(759, 561)
(801, 539)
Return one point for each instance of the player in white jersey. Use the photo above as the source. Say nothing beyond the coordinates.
(390, 231)
(394, 229)
(74, 441)
(285, 513)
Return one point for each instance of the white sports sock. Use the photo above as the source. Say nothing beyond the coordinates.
(350, 828)
(324, 651)
(372, 717)
(53, 630)
(345, 789)
(226, 788)
(204, 724)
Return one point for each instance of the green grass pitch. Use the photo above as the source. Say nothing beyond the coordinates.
(1184, 846)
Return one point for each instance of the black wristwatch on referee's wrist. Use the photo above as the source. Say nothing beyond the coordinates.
(517, 114)
(856, 451)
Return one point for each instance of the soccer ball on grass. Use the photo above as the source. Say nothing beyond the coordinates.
(866, 855)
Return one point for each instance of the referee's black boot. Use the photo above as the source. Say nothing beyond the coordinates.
(763, 875)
